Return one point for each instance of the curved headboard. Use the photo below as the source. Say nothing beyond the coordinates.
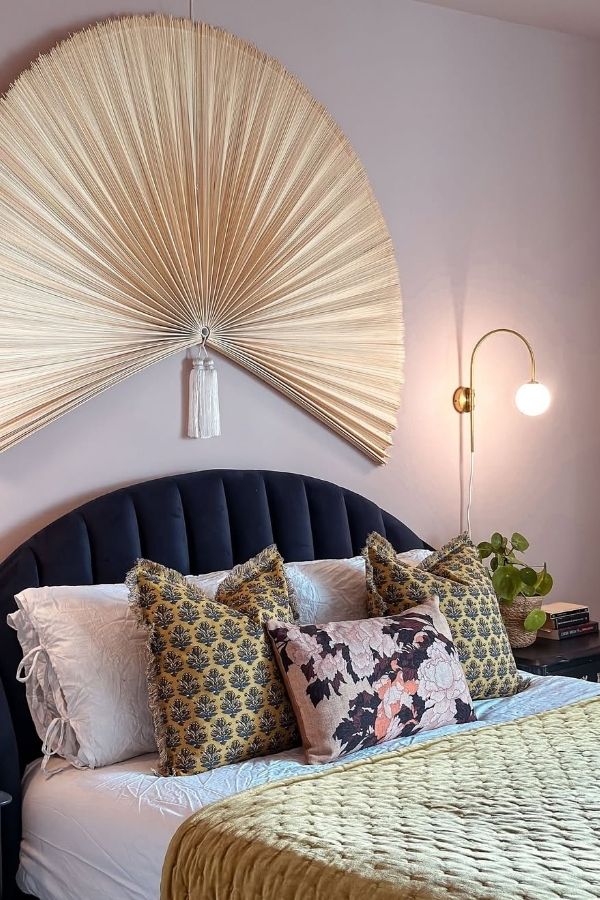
(195, 523)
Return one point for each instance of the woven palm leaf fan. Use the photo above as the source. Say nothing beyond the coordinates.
(159, 176)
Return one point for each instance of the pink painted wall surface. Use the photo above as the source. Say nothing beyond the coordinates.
(482, 140)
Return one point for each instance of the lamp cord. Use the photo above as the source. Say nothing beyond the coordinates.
(470, 496)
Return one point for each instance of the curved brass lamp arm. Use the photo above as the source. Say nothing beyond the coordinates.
(464, 398)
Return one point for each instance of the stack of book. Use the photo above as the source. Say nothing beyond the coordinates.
(566, 620)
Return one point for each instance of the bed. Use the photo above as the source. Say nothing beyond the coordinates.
(71, 838)
(197, 522)
(103, 833)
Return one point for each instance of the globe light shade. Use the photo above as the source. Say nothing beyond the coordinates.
(533, 398)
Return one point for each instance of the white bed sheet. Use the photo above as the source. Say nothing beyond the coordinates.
(102, 834)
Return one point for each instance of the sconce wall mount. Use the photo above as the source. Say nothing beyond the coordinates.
(463, 399)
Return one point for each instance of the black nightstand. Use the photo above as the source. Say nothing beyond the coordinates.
(578, 657)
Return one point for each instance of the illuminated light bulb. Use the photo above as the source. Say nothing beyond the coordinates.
(533, 398)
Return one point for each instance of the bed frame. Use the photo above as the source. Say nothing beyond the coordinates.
(195, 523)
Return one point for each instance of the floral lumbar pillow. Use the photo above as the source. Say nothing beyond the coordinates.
(467, 599)
(215, 689)
(355, 684)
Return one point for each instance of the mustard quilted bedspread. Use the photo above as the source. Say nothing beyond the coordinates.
(505, 811)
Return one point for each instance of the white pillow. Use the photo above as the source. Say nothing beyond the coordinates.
(334, 590)
(413, 557)
(327, 590)
(91, 662)
(210, 582)
(41, 683)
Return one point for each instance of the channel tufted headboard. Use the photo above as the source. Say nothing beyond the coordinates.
(195, 523)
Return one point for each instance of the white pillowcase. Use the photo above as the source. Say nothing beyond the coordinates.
(334, 590)
(41, 683)
(210, 582)
(88, 662)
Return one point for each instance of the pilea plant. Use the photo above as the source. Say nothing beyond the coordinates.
(512, 577)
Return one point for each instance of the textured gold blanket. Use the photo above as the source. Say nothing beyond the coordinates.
(506, 811)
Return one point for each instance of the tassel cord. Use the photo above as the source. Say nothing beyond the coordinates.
(204, 415)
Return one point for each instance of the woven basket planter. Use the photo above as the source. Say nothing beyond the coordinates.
(514, 614)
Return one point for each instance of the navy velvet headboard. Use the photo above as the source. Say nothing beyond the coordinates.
(195, 523)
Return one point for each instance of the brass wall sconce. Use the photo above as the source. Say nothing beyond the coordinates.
(532, 398)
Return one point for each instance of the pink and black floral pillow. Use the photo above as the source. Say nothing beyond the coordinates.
(355, 684)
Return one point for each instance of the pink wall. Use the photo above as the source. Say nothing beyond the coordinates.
(482, 140)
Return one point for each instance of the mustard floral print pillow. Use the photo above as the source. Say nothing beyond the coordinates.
(259, 588)
(216, 693)
(467, 599)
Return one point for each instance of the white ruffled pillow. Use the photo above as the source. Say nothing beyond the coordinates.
(85, 672)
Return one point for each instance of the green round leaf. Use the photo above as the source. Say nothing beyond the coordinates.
(485, 549)
(529, 576)
(507, 582)
(519, 542)
(497, 541)
(494, 564)
(534, 620)
(544, 584)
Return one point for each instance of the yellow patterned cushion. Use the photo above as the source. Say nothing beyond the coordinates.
(467, 599)
(259, 588)
(215, 689)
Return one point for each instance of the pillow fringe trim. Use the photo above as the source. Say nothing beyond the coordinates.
(131, 581)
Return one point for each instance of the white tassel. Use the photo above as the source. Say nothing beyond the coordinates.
(204, 417)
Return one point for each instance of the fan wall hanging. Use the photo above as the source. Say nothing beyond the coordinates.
(158, 177)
